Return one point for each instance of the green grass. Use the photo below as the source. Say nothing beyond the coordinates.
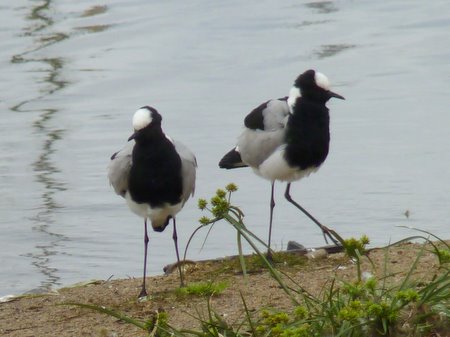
(443, 255)
(254, 264)
(202, 289)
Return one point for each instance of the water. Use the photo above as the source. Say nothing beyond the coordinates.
(74, 73)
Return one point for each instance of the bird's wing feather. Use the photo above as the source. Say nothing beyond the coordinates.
(268, 116)
(119, 168)
(188, 170)
(256, 144)
(255, 119)
(276, 114)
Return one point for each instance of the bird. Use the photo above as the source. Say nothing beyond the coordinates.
(155, 175)
(287, 139)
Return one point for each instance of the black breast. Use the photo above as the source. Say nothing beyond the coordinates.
(307, 135)
(155, 176)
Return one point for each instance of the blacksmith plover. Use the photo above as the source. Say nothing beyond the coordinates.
(287, 139)
(155, 175)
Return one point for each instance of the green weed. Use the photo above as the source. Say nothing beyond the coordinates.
(202, 289)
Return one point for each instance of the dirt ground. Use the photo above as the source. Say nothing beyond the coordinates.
(42, 315)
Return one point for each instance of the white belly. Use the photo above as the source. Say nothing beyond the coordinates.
(157, 215)
(276, 168)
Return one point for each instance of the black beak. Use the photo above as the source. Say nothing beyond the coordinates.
(133, 136)
(333, 94)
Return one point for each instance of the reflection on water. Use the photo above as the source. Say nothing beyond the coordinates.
(323, 6)
(307, 23)
(45, 171)
(43, 167)
(39, 21)
(332, 49)
(94, 10)
(94, 28)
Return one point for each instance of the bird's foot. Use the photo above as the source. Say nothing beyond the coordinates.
(143, 294)
(269, 256)
(330, 234)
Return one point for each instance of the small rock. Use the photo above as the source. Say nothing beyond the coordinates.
(366, 275)
(292, 245)
(317, 254)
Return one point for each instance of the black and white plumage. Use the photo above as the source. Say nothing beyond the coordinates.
(288, 138)
(154, 174)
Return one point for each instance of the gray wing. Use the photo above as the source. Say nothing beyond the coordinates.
(119, 169)
(188, 170)
(256, 145)
(275, 114)
(268, 116)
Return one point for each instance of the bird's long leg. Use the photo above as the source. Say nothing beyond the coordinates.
(175, 240)
(325, 230)
(143, 290)
(272, 205)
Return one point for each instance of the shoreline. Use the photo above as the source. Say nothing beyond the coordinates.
(46, 314)
(298, 249)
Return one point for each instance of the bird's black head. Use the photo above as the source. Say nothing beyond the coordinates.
(315, 86)
(145, 120)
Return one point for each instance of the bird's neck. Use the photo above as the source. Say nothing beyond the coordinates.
(309, 115)
(152, 136)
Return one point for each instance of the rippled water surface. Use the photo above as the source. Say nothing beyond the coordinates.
(74, 73)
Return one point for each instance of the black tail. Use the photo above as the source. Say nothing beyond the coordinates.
(232, 160)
